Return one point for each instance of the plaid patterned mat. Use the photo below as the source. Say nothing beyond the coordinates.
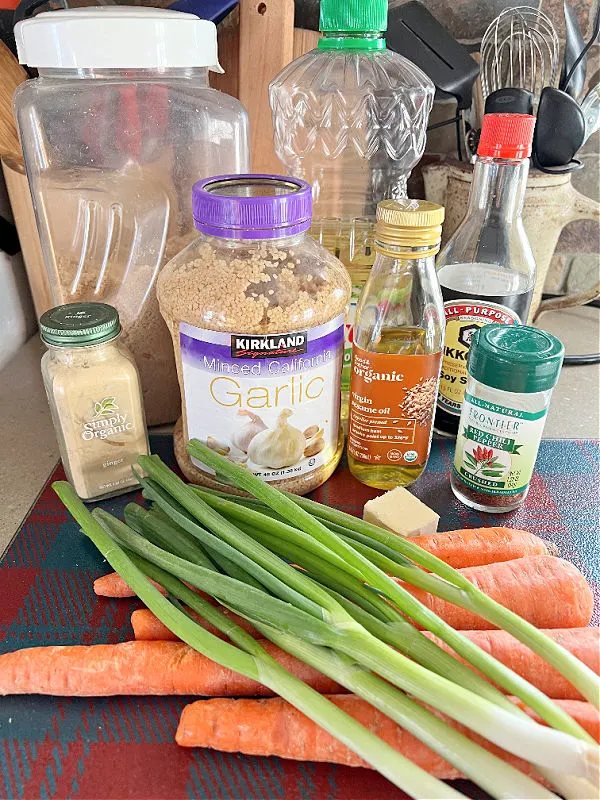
(116, 748)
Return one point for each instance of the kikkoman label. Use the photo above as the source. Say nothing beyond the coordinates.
(463, 319)
(269, 402)
(392, 398)
(496, 446)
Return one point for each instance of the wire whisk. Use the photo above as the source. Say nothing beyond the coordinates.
(519, 50)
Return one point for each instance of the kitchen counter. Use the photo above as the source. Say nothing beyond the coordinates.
(29, 452)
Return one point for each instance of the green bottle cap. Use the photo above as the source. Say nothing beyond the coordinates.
(353, 16)
(515, 358)
(79, 324)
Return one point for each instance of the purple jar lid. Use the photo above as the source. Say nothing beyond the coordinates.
(251, 206)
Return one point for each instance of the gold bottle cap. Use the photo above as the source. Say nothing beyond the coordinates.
(409, 223)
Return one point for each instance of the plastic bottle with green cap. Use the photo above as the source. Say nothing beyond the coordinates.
(350, 117)
(511, 372)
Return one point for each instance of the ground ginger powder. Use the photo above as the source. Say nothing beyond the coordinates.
(94, 394)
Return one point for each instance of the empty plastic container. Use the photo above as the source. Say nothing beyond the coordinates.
(115, 130)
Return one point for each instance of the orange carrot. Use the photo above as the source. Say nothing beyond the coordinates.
(272, 727)
(546, 591)
(147, 627)
(113, 585)
(465, 548)
(101, 670)
(584, 643)
(473, 547)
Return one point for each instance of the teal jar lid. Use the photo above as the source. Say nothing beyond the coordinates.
(79, 324)
(353, 16)
(515, 358)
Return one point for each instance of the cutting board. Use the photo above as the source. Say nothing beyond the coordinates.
(122, 747)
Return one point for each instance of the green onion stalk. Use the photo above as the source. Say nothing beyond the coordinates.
(341, 632)
(490, 772)
(250, 659)
(281, 533)
(308, 516)
(470, 597)
(374, 576)
(412, 641)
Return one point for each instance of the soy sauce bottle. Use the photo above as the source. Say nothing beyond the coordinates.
(486, 271)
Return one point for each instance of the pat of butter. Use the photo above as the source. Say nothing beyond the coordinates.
(401, 512)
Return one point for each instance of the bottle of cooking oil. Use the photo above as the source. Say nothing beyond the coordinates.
(350, 117)
(397, 348)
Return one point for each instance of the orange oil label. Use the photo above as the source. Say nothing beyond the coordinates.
(392, 400)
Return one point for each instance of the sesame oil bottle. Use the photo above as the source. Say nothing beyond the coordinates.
(397, 349)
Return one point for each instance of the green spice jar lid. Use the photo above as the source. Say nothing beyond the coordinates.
(79, 324)
(515, 358)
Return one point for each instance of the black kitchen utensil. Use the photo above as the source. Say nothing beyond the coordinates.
(509, 101)
(559, 130)
(416, 34)
(574, 45)
(583, 54)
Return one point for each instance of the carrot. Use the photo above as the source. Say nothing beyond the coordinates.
(584, 643)
(546, 591)
(272, 727)
(113, 585)
(473, 547)
(136, 668)
(147, 627)
(470, 547)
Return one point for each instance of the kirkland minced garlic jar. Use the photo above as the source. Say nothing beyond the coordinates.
(256, 309)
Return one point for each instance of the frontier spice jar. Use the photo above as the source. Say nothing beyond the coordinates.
(511, 372)
(256, 309)
(94, 393)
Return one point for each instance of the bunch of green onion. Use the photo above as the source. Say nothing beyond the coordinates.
(320, 584)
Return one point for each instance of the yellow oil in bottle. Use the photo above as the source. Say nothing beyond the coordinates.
(397, 344)
(351, 242)
(403, 341)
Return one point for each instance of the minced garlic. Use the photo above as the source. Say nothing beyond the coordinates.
(256, 311)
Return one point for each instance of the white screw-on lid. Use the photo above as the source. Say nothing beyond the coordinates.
(117, 37)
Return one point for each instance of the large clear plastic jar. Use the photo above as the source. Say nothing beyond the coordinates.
(350, 117)
(119, 124)
(256, 310)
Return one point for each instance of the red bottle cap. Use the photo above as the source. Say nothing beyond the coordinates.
(506, 136)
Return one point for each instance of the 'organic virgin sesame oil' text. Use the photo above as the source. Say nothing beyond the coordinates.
(392, 395)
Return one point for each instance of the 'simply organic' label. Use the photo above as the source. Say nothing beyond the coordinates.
(269, 402)
(496, 446)
(392, 398)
